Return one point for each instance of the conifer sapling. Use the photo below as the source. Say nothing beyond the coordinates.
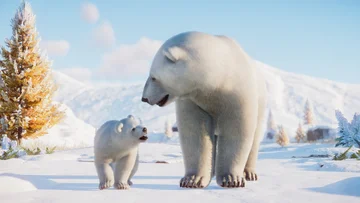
(282, 138)
(26, 93)
(300, 134)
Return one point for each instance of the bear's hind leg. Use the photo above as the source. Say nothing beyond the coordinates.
(196, 132)
(250, 168)
(234, 145)
(105, 174)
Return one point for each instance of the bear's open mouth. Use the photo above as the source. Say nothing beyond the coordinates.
(163, 101)
(143, 138)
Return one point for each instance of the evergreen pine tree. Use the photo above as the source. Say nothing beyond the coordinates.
(282, 138)
(300, 135)
(271, 126)
(271, 123)
(308, 114)
(349, 133)
(26, 94)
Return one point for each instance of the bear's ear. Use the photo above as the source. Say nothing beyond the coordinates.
(131, 117)
(174, 53)
(120, 127)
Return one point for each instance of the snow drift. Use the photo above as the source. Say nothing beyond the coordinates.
(70, 133)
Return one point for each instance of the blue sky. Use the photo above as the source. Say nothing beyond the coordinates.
(319, 38)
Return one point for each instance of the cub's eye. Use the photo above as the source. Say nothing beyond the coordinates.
(153, 79)
(133, 129)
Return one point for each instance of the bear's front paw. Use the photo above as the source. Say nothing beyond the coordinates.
(194, 181)
(106, 184)
(250, 175)
(230, 181)
(121, 186)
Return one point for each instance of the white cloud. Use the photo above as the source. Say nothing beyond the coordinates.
(129, 60)
(104, 35)
(89, 13)
(55, 47)
(79, 73)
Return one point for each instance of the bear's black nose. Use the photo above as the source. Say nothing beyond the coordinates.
(144, 100)
(144, 130)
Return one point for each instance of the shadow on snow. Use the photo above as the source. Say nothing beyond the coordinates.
(348, 186)
(50, 182)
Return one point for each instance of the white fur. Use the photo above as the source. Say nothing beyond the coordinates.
(217, 90)
(116, 152)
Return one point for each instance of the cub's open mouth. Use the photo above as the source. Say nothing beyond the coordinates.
(163, 101)
(143, 138)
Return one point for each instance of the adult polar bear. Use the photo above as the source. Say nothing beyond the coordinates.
(218, 90)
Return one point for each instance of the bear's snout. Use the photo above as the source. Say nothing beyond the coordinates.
(144, 100)
(144, 130)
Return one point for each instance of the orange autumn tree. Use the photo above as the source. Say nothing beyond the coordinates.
(308, 114)
(26, 107)
(281, 137)
(300, 134)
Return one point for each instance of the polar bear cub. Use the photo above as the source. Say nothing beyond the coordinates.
(116, 152)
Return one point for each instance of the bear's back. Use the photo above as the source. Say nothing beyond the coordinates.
(212, 49)
(105, 133)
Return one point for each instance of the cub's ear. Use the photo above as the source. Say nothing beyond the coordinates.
(120, 127)
(131, 117)
(174, 53)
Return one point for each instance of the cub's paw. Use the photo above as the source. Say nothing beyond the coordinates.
(122, 186)
(194, 181)
(230, 181)
(106, 184)
(250, 175)
(130, 183)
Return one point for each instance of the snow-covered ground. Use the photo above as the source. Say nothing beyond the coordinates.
(61, 177)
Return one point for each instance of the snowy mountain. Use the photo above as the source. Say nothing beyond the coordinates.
(96, 104)
(287, 94)
(68, 87)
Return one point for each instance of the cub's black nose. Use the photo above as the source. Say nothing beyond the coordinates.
(144, 130)
(144, 100)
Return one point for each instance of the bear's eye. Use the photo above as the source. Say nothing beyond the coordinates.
(133, 129)
(153, 79)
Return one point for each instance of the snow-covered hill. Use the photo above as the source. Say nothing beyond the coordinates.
(68, 87)
(70, 133)
(287, 94)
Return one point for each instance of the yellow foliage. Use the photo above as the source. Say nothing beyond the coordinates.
(300, 135)
(26, 95)
(308, 114)
(282, 138)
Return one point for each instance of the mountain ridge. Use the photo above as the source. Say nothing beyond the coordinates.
(286, 92)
